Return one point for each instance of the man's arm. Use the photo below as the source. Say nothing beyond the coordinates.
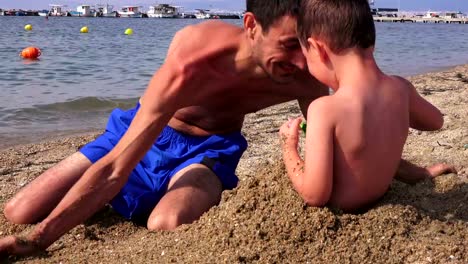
(312, 178)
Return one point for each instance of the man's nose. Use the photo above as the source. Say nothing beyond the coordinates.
(299, 60)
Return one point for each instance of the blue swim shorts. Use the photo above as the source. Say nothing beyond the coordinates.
(170, 153)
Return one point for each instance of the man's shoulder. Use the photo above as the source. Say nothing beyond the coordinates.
(209, 29)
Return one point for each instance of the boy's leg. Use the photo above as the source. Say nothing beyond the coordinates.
(37, 199)
(410, 173)
(191, 192)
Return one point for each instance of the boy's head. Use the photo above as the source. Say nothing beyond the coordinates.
(340, 24)
(270, 25)
(327, 27)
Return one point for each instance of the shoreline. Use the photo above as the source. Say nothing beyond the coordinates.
(264, 220)
(44, 137)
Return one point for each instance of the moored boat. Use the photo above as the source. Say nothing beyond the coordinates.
(83, 11)
(163, 11)
(56, 10)
(43, 13)
(130, 11)
(105, 11)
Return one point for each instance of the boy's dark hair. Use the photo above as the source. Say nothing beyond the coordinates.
(341, 24)
(268, 11)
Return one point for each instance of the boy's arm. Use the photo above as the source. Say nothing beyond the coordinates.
(423, 115)
(312, 178)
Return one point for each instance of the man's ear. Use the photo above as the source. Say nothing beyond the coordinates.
(250, 24)
(318, 48)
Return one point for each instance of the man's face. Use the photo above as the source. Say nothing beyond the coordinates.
(278, 51)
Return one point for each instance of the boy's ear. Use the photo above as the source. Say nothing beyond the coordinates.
(250, 24)
(319, 49)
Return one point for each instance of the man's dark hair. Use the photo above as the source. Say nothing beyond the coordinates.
(341, 24)
(268, 11)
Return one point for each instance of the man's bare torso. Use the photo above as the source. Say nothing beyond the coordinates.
(222, 87)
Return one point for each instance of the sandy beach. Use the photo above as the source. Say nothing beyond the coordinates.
(264, 221)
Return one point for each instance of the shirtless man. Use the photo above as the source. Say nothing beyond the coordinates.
(194, 107)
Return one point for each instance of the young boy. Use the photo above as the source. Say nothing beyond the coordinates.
(355, 137)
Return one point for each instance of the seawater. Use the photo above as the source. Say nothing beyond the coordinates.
(80, 78)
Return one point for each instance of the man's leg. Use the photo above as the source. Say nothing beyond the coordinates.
(37, 199)
(410, 173)
(191, 192)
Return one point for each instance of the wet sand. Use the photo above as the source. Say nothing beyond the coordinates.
(263, 220)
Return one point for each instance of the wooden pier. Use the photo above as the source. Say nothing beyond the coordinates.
(422, 20)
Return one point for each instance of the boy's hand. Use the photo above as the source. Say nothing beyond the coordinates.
(289, 132)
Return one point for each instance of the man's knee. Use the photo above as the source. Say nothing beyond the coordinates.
(14, 214)
(167, 221)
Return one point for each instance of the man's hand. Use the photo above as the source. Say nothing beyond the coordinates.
(289, 132)
(18, 246)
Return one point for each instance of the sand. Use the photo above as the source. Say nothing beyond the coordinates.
(264, 221)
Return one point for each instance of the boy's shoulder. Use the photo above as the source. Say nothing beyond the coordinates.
(402, 82)
(324, 108)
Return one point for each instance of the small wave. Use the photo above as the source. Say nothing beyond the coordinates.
(88, 104)
(83, 109)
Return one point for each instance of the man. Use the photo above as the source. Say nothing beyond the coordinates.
(182, 142)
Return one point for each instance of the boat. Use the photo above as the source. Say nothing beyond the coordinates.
(20, 13)
(164, 11)
(227, 15)
(431, 14)
(56, 10)
(203, 14)
(8, 12)
(130, 11)
(43, 13)
(2, 13)
(207, 14)
(105, 11)
(83, 11)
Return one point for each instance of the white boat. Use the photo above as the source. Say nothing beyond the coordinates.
(56, 10)
(431, 14)
(105, 11)
(83, 11)
(202, 14)
(163, 11)
(130, 11)
(43, 13)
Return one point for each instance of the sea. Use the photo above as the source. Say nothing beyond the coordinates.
(80, 78)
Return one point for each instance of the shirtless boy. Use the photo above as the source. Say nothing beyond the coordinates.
(355, 137)
(182, 142)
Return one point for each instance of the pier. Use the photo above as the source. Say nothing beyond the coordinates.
(396, 19)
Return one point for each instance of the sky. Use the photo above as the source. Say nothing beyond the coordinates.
(234, 5)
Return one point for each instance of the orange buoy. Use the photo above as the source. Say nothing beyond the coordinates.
(30, 53)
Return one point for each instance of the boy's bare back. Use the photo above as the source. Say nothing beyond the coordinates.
(369, 125)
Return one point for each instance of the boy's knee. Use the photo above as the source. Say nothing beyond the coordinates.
(167, 221)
